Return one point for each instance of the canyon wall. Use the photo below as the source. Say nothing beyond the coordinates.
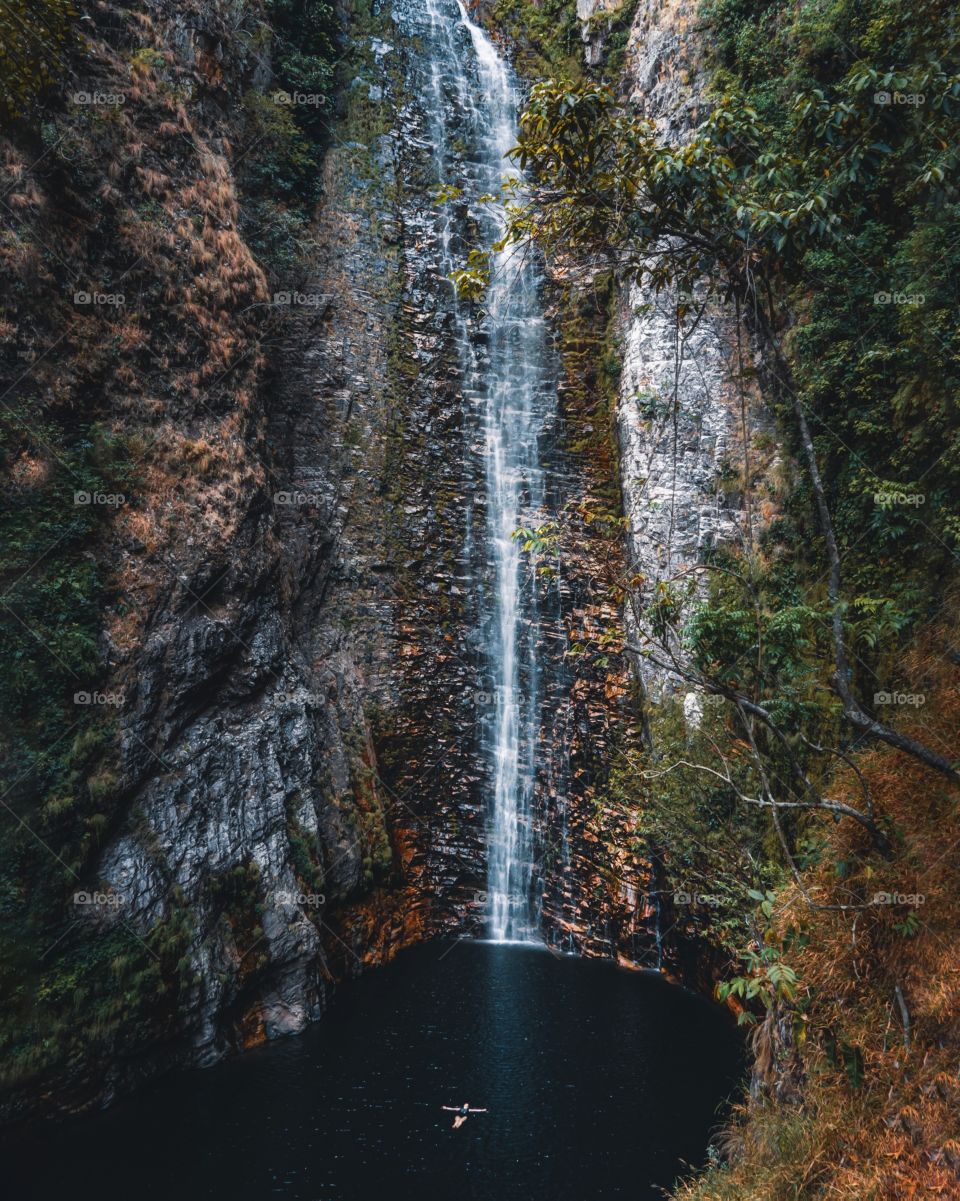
(695, 453)
(290, 729)
(290, 785)
(684, 425)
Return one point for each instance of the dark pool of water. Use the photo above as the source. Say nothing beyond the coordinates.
(600, 1083)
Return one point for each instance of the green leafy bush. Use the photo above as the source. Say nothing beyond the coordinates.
(34, 36)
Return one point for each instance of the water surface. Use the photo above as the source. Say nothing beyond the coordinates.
(600, 1083)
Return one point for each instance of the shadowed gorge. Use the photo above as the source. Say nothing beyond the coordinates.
(478, 604)
(525, 1032)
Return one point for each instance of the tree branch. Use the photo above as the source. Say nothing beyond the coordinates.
(840, 679)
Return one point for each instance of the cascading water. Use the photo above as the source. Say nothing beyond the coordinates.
(508, 377)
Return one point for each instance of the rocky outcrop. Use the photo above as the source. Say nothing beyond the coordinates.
(593, 879)
(299, 784)
(594, 17)
(293, 781)
(687, 412)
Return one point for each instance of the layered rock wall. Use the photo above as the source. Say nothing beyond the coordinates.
(301, 586)
(687, 410)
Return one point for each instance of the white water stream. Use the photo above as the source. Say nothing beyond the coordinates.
(510, 382)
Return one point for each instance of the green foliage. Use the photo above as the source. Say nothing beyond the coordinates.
(306, 854)
(908, 926)
(824, 180)
(754, 634)
(237, 896)
(287, 131)
(545, 33)
(286, 164)
(690, 824)
(305, 51)
(542, 540)
(768, 980)
(76, 996)
(473, 280)
(58, 755)
(35, 37)
(279, 237)
(859, 107)
(51, 617)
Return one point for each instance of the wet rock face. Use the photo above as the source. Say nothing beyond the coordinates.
(430, 743)
(308, 695)
(302, 749)
(590, 13)
(590, 881)
(683, 419)
(302, 696)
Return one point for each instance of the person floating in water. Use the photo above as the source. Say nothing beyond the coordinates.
(463, 1112)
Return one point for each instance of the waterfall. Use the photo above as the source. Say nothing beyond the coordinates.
(508, 378)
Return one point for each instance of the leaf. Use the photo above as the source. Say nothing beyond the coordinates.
(852, 1064)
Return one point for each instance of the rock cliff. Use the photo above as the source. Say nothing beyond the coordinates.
(688, 412)
(289, 785)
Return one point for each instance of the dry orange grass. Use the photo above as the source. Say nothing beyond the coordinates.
(175, 370)
(897, 1136)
